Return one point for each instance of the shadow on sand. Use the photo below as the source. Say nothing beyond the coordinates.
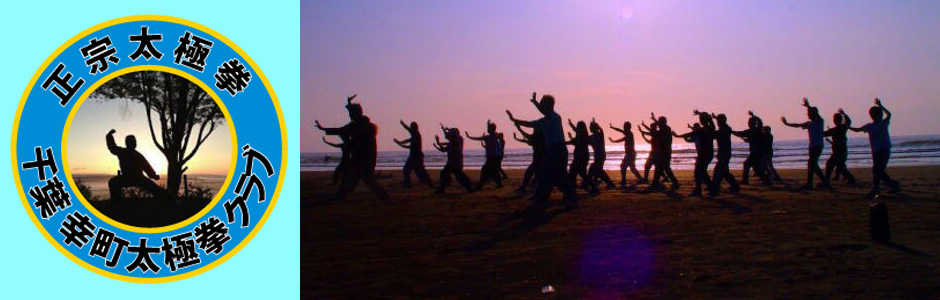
(530, 218)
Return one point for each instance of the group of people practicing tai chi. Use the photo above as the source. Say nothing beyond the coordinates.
(550, 168)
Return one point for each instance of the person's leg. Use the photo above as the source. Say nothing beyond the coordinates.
(444, 179)
(527, 176)
(422, 172)
(349, 181)
(116, 187)
(746, 174)
(646, 168)
(623, 173)
(368, 177)
(406, 171)
(844, 170)
(631, 164)
(499, 173)
(463, 179)
(831, 166)
(486, 172)
(879, 163)
(587, 180)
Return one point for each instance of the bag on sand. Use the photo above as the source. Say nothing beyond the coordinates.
(878, 212)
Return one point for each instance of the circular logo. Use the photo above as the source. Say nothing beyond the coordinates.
(149, 149)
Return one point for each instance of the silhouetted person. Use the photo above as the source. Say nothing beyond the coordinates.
(754, 136)
(663, 160)
(537, 142)
(650, 139)
(840, 150)
(703, 136)
(581, 155)
(490, 169)
(454, 165)
(598, 144)
(133, 168)
(722, 171)
(880, 140)
(345, 157)
(501, 154)
(815, 127)
(629, 154)
(361, 133)
(415, 161)
(552, 173)
(770, 170)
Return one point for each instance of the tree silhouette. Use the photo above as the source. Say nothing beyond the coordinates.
(180, 107)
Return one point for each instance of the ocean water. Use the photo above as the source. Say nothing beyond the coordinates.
(99, 183)
(913, 150)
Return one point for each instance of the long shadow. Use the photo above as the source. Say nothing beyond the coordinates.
(734, 207)
(673, 195)
(530, 218)
(752, 198)
(905, 249)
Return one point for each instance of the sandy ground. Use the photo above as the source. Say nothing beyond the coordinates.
(777, 242)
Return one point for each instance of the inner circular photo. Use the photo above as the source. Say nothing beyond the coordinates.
(149, 149)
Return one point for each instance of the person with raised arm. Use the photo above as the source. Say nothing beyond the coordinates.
(345, 158)
(490, 169)
(454, 165)
(579, 163)
(651, 139)
(754, 136)
(552, 173)
(663, 160)
(702, 135)
(415, 161)
(629, 154)
(362, 133)
(880, 141)
(722, 171)
(840, 150)
(815, 127)
(598, 144)
(537, 143)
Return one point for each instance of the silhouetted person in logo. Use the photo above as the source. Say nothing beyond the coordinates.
(754, 136)
(345, 157)
(552, 173)
(815, 127)
(490, 169)
(579, 163)
(133, 168)
(361, 133)
(771, 171)
(415, 161)
(598, 144)
(880, 141)
(454, 165)
(629, 154)
(722, 171)
(840, 150)
(537, 142)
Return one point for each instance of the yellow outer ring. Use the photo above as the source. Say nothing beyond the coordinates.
(171, 227)
(264, 80)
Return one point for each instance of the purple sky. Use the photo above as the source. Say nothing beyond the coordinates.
(463, 62)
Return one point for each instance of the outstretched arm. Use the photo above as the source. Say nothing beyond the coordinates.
(524, 134)
(617, 129)
(572, 125)
(475, 138)
(148, 169)
(524, 141)
(332, 144)
(794, 125)
(684, 135)
(403, 144)
(617, 140)
(518, 122)
(648, 141)
(330, 130)
(113, 147)
(405, 126)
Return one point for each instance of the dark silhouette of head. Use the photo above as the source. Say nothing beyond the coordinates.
(595, 128)
(696, 126)
(704, 118)
(766, 129)
(654, 127)
(582, 128)
(490, 128)
(722, 119)
(414, 126)
(812, 113)
(130, 142)
(547, 104)
(876, 113)
(627, 125)
(355, 110)
(837, 118)
(662, 120)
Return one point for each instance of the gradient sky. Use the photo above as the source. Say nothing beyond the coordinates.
(463, 62)
(88, 153)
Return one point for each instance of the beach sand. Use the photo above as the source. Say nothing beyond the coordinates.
(778, 242)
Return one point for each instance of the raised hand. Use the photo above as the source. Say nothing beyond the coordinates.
(805, 102)
(841, 111)
(112, 131)
(784, 119)
(317, 124)
(350, 98)
(878, 102)
(510, 115)
(750, 113)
